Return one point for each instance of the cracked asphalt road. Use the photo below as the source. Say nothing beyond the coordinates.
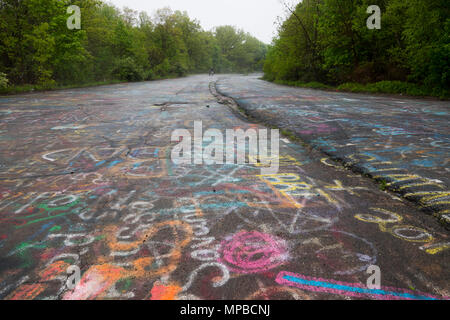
(87, 181)
(402, 143)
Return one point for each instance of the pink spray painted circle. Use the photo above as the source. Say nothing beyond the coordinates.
(253, 252)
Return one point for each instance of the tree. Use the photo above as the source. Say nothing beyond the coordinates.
(328, 41)
(36, 47)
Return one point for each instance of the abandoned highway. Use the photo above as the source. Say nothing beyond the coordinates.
(87, 183)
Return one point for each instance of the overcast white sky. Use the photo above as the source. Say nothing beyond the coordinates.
(257, 17)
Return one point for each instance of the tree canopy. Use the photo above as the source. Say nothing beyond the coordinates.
(36, 47)
(328, 41)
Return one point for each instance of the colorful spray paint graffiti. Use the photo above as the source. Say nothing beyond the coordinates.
(349, 289)
(87, 181)
(253, 252)
(403, 143)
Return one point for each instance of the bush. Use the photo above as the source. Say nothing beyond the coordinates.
(149, 75)
(126, 69)
(3, 80)
(163, 69)
(389, 87)
(178, 69)
(315, 85)
(395, 87)
(352, 87)
(312, 85)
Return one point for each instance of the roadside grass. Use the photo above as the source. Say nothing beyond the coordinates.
(395, 87)
(384, 87)
(49, 87)
(11, 90)
(383, 185)
(312, 85)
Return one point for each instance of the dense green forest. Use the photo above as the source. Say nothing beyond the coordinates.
(327, 41)
(37, 48)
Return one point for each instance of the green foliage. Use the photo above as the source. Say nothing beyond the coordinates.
(37, 50)
(312, 84)
(238, 51)
(3, 80)
(328, 41)
(35, 87)
(397, 87)
(126, 69)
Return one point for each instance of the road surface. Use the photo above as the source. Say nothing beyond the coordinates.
(402, 143)
(87, 182)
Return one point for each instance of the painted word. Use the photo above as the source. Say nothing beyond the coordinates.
(383, 218)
